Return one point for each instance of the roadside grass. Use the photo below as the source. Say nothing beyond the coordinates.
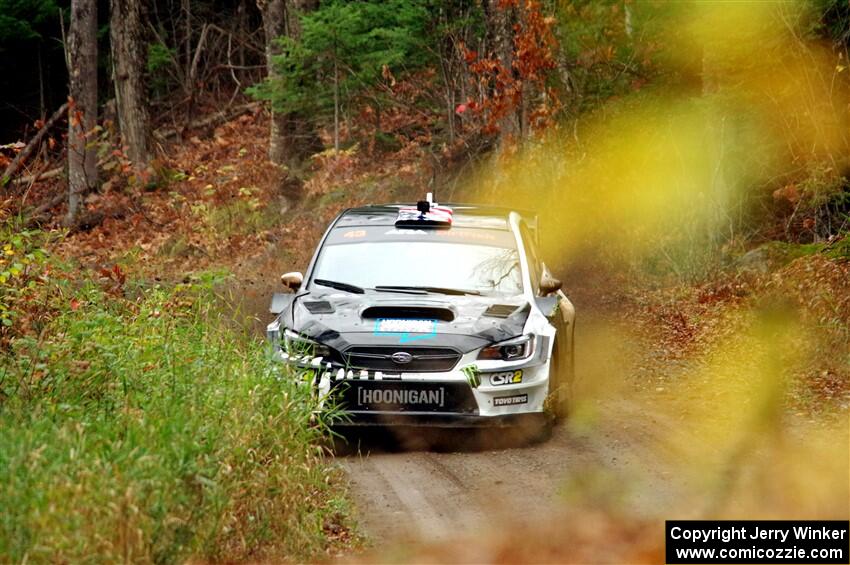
(141, 429)
(243, 215)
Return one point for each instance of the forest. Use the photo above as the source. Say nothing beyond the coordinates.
(163, 162)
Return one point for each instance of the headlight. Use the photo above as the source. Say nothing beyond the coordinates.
(514, 349)
(297, 344)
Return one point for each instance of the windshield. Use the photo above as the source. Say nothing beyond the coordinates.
(479, 268)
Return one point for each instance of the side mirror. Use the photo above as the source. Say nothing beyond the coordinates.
(549, 285)
(292, 280)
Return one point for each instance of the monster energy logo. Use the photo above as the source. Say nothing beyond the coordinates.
(403, 396)
(472, 374)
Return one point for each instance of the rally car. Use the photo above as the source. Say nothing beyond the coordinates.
(429, 315)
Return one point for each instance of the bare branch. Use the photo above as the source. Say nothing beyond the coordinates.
(34, 142)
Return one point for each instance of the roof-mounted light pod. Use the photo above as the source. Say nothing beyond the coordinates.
(426, 214)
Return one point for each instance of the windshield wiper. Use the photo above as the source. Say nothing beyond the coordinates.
(339, 286)
(434, 289)
(400, 290)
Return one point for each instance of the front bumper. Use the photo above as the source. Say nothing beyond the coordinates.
(445, 399)
(447, 420)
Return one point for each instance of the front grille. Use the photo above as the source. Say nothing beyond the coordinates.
(424, 359)
(401, 396)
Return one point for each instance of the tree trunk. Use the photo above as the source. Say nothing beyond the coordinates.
(274, 25)
(448, 92)
(500, 23)
(186, 9)
(296, 8)
(128, 64)
(42, 107)
(336, 107)
(242, 31)
(82, 104)
(280, 17)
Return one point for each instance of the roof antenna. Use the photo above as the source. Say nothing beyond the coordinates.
(435, 167)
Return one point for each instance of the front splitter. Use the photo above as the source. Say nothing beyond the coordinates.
(441, 420)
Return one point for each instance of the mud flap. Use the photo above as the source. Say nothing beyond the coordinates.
(563, 359)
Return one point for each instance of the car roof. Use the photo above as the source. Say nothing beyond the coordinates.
(464, 216)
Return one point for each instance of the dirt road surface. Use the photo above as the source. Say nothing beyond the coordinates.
(427, 494)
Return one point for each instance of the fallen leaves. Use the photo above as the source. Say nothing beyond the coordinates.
(680, 325)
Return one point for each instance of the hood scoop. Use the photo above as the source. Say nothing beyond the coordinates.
(318, 307)
(501, 310)
(408, 313)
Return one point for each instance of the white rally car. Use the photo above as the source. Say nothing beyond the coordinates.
(429, 315)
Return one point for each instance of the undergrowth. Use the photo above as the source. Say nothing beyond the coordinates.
(135, 427)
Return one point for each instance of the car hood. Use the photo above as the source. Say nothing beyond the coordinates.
(465, 323)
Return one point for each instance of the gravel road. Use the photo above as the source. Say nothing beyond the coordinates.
(426, 493)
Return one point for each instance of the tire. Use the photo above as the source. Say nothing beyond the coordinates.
(561, 372)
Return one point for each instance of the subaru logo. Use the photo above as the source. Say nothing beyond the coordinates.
(401, 357)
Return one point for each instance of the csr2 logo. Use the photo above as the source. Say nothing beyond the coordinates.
(506, 378)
